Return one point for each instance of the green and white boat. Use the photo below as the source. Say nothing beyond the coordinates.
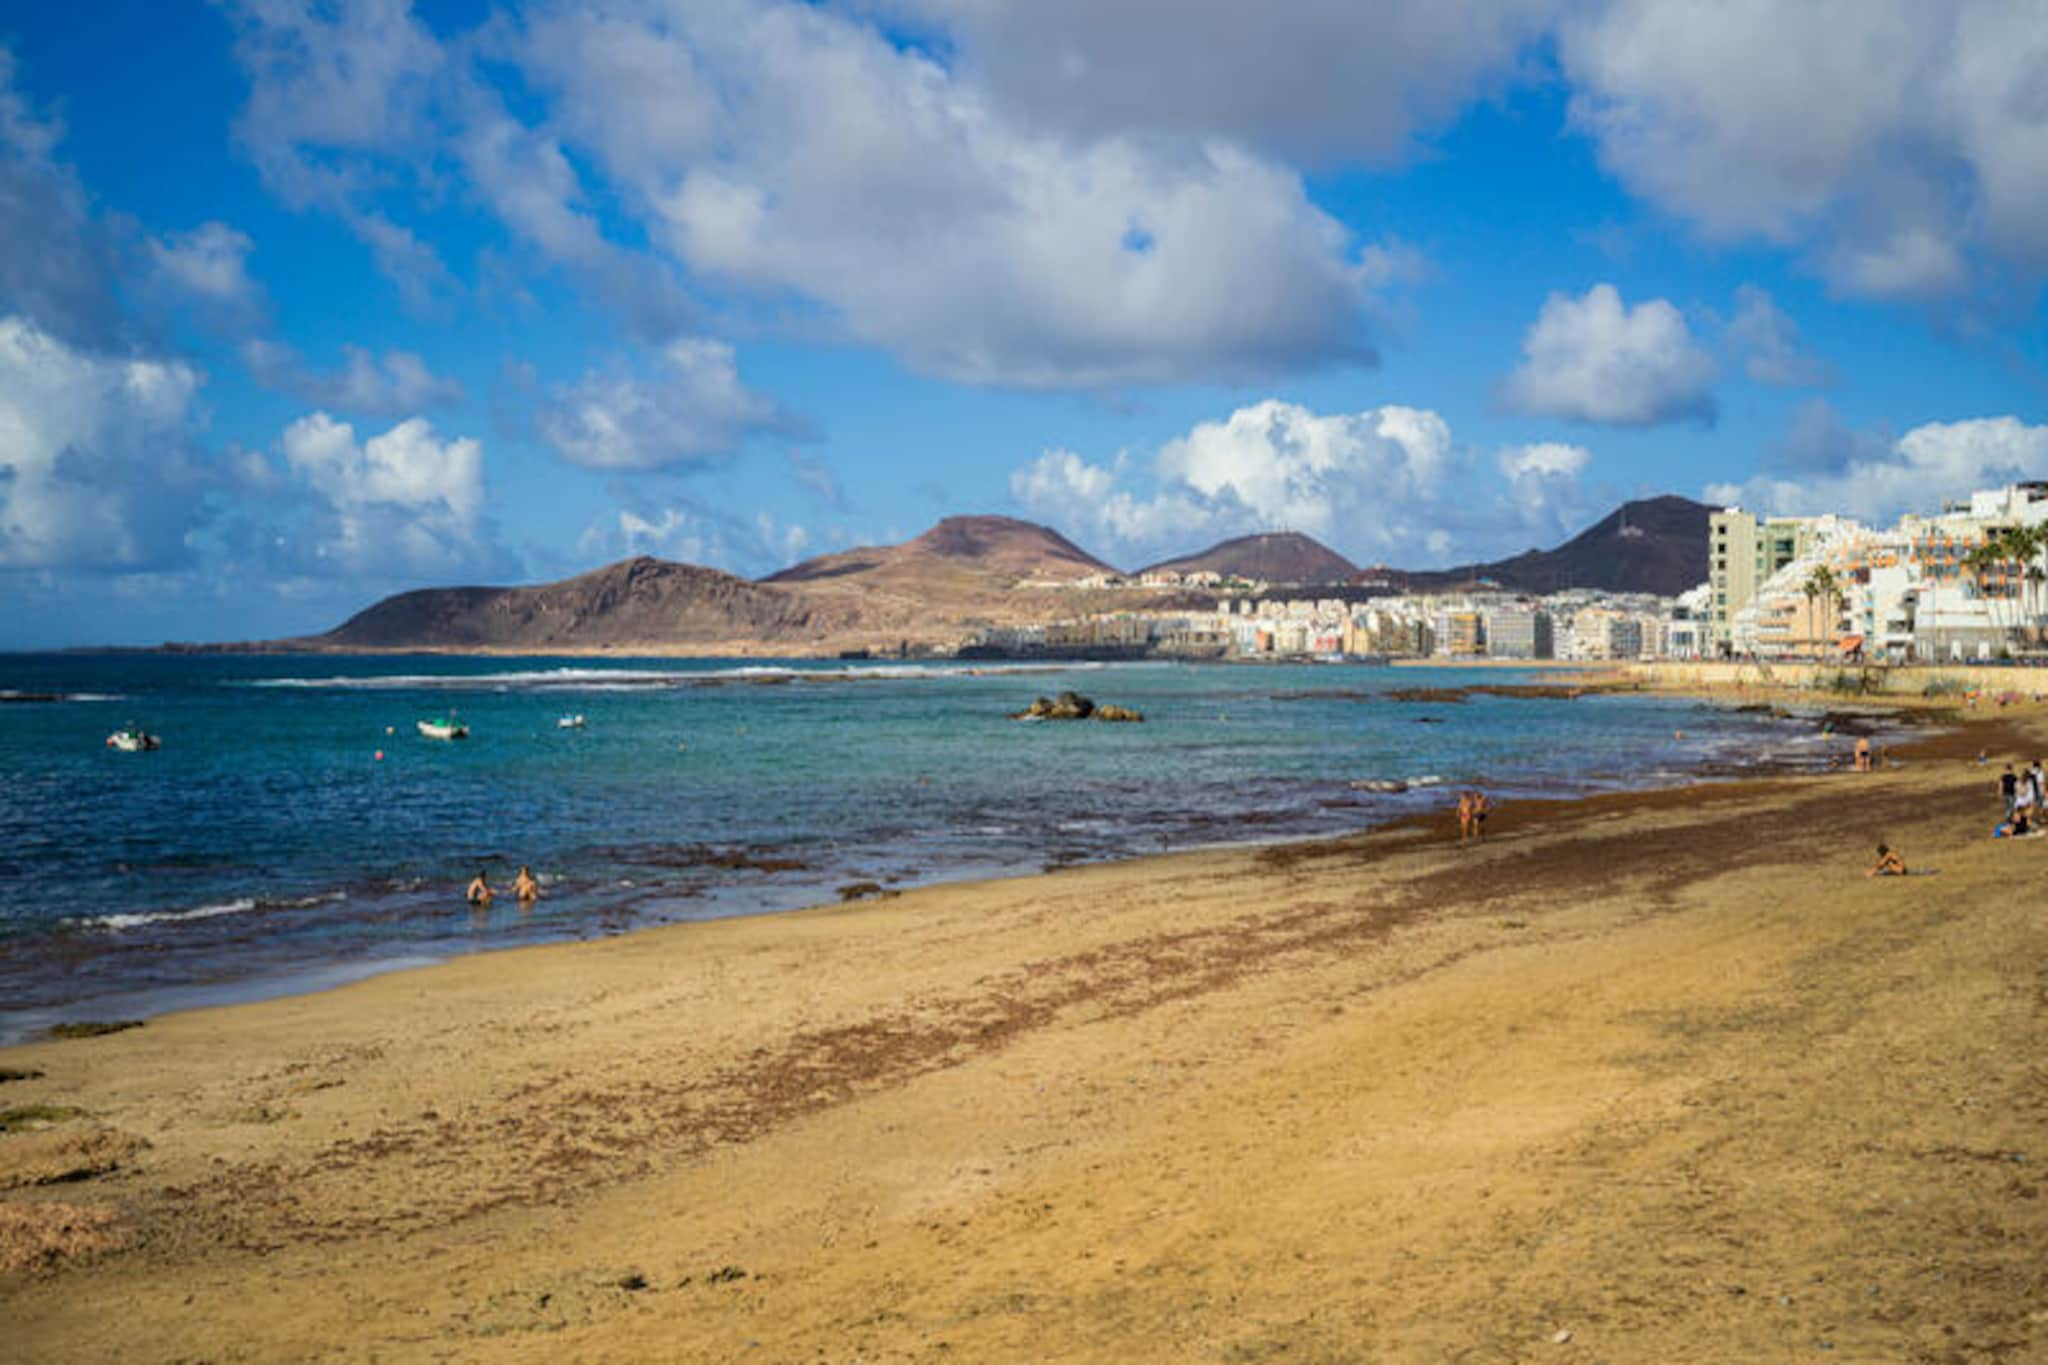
(446, 728)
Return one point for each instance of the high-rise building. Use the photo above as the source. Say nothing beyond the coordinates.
(1744, 550)
(1519, 633)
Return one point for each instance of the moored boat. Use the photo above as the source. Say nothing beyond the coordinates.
(574, 722)
(133, 739)
(448, 728)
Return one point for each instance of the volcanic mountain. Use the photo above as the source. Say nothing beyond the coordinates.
(1658, 545)
(931, 591)
(633, 601)
(1002, 547)
(1273, 557)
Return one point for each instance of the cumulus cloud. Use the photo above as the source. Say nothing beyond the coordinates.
(798, 158)
(1594, 359)
(1928, 464)
(1893, 139)
(1388, 484)
(1768, 343)
(394, 384)
(693, 409)
(405, 502)
(96, 468)
(868, 181)
(1543, 487)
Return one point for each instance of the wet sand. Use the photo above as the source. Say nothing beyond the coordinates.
(1656, 1076)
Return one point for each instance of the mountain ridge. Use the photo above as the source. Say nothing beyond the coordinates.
(1267, 557)
(1655, 545)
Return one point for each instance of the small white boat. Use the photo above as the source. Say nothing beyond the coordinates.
(574, 722)
(133, 740)
(450, 728)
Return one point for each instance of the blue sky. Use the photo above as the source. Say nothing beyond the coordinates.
(304, 303)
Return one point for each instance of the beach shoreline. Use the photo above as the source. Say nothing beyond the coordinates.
(292, 977)
(1604, 1075)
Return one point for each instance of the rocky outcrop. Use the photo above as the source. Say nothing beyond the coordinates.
(1074, 706)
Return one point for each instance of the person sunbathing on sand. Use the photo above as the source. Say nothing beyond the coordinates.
(479, 892)
(1889, 863)
(524, 886)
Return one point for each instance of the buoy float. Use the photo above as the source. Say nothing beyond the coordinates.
(380, 755)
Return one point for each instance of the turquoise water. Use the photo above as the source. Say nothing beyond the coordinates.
(266, 846)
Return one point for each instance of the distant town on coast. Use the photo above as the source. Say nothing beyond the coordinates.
(1665, 578)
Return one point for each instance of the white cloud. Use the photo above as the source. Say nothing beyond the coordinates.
(404, 502)
(397, 383)
(356, 76)
(1594, 359)
(806, 160)
(694, 409)
(1892, 138)
(56, 266)
(1928, 464)
(1768, 343)
(341, 104)
(209, 267)
(1387, 484)
(1303, 78)
(95, 469)
(1543, 487)
(684, 531)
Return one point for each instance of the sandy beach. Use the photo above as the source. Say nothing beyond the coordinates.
(1649, 1077)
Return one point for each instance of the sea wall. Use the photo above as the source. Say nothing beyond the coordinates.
(1873, 679)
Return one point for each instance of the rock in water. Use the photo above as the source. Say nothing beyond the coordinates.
(1071, 706)
(1066, 706)
(1122, 713)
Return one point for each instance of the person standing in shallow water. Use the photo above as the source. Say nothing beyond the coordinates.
(479, 893)
(524, 886)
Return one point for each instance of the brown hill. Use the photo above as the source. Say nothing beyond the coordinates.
(1273, 557)
(931, 591)
(1658, 545)
(634, 601)
(1002, 547)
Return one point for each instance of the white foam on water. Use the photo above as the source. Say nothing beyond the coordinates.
(238, 906)
(619, 679)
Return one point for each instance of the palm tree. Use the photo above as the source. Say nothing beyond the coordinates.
(1978, 560)
(1821, 583)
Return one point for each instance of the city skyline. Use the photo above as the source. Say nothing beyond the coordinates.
(305, 304)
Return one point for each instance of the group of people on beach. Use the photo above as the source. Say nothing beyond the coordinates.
(524, 886)
(2025, 794)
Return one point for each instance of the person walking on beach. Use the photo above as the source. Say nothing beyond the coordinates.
(1464, 816)
(2034, 776)
(2009, 788)
(1863, 753)
(525, 887)
(479, 893)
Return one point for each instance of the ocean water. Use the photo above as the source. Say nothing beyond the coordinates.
(267, 847)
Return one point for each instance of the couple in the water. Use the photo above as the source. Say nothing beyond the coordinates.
(523, 886)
